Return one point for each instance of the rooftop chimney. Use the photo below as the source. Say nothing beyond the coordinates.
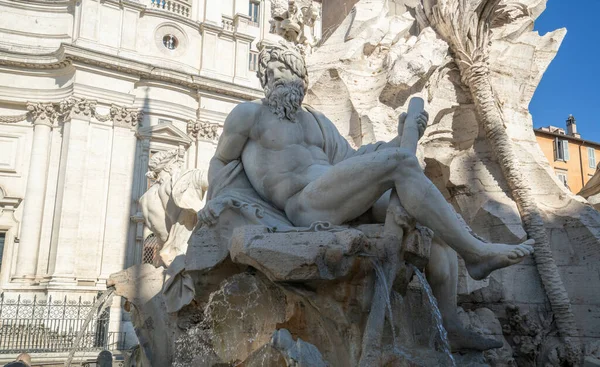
(572, 127)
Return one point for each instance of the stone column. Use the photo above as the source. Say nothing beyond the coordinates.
(43, 116)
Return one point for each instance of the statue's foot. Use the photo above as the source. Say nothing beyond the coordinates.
(495, 256)
(464, 339)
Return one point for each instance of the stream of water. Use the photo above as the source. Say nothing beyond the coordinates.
(101, 304)
(398, 349)
(437, 316)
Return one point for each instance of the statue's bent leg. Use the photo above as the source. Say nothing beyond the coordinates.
(442, 275)
(352, 186)
(349, 188)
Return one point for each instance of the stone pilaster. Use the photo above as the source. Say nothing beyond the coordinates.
(86, 168)
(78, 112)
(44, 116)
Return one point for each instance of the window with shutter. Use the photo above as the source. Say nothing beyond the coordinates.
(591, 157)
(558, 150)
(253, 11)
(565, 147)
(561, 150)
(253, 61)
(562, 177)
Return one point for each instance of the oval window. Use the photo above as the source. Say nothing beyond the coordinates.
(170, 41)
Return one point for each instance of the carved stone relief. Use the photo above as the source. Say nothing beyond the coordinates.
(49, 113)
(203, 130)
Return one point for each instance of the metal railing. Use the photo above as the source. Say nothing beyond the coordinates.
(41, 326)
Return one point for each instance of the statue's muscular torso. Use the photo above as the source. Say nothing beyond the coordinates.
(281, 157)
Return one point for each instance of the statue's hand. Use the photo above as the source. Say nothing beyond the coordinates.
(212, 210)
(420, 122)
(401, 121)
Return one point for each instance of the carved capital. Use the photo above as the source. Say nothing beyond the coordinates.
(43, 113)
(126, 117)
(203, 130)
(77, 107)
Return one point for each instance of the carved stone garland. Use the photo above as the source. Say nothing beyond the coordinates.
(203, 130)
(76, 106)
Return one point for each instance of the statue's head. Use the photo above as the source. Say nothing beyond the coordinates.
(283, 76)
(165, 164)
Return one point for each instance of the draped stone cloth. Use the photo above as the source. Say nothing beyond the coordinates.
(230, 188)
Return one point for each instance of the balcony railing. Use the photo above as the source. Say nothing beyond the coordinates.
(228, 24)
(179, 7)
(53, 326)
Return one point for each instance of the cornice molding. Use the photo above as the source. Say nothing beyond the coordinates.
(125, 4)
(9, 203)
(58, 6)
(221, 31)
(174, 17)
(67, 54)
(15, 32)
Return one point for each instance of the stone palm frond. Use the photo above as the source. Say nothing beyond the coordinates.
(466, 24)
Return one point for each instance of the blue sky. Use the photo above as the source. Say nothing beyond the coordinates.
(570, 84)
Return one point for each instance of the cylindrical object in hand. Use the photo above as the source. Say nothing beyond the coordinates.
(410, 134)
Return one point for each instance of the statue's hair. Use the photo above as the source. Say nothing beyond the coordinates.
(162, 161)
(285, 52)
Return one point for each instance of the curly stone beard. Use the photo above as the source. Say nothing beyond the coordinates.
(285, 98)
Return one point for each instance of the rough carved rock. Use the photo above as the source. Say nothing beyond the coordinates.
(141, 286)
(375, 62)
(298, 256)
(364, 64)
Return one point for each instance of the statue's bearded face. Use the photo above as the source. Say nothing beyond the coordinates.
(284, 90)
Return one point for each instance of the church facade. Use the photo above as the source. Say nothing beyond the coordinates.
(89, 90)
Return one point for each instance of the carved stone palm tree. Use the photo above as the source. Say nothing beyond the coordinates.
(466, 26)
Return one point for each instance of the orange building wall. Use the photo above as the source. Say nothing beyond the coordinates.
(577, 167)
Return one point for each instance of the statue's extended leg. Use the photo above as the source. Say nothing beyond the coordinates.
(348, 189)
(442, 275)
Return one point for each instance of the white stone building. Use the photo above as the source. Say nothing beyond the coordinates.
(89, 89)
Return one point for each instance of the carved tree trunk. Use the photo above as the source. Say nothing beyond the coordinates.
(466, 26)
(491, 118)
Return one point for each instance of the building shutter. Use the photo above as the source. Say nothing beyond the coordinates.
(591, 157)
(556, 149)
(566, 150)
